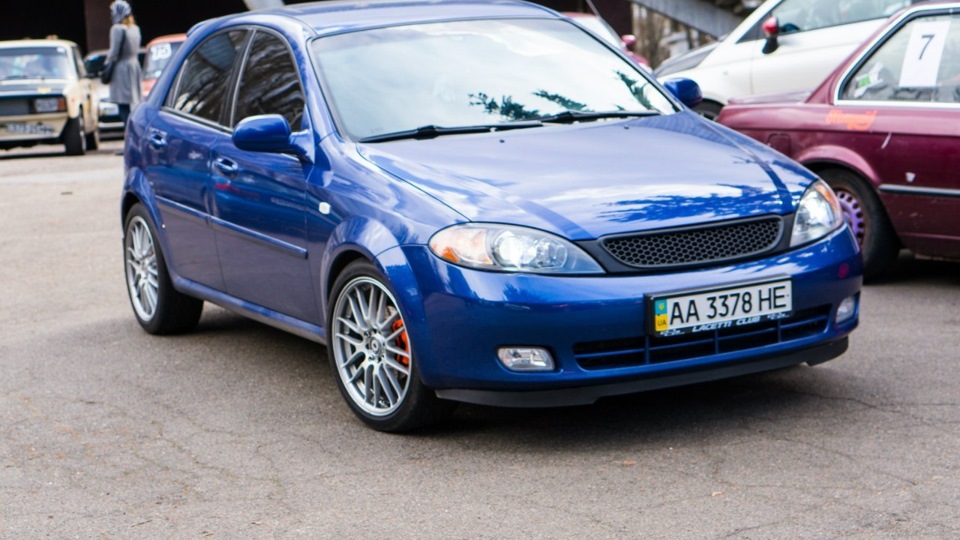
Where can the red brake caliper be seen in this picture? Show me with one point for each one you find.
(402, 341)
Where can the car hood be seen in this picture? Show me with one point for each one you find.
(587, 180)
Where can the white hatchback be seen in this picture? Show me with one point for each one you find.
(783, 46)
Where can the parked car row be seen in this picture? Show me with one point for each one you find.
(46, 96)
(868, 101)
(49, 94)
(884, 131)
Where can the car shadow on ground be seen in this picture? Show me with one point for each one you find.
(668, 414)
(916, 270)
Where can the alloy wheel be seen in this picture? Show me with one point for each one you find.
(141, 268)
(371, 348)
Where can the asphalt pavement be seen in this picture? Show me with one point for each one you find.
(237, 430)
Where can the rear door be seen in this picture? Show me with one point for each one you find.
(178, 155)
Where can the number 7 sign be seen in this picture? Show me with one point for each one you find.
(921, 61)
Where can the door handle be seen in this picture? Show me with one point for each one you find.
(226, 166)
(158, 140)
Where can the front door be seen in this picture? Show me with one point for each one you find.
(260, 198)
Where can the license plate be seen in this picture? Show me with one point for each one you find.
(701, 311)
(21, 128)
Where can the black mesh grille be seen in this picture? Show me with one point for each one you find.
(14, 107)
(647, 350)
(693, 246)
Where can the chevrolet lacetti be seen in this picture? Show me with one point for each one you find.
(472, 201)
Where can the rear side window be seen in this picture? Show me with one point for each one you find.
(270, 83)
(920, 62)
(202, 84)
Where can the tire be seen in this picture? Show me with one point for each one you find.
(74, 137)
(158, 307)
(371, 355)
(709, 109)
(866, 217)
(93, 139)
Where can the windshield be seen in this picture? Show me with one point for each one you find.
(468, 73)
(35, 63)
(158, 57)
(601, 29)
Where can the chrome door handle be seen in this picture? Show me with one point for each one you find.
(226, 166)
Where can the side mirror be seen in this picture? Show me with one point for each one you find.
(94, 66)
(771, 28)
(629, 40)
(686, 90)
(268, 133)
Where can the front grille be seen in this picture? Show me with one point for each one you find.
(14, 106)
(688, 246)
(658, 350)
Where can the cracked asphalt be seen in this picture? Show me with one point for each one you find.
(238, 431)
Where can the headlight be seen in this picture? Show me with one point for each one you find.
(49, 105)
(817, 215)
(508, 248)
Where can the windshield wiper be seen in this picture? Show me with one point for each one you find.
(569, 117)
(432, 131)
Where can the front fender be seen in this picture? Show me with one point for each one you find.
(357, 237)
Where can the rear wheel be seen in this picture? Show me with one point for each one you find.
(74, 137)
(371, 355)
(93, 139)
(866, 217)
(158, 307)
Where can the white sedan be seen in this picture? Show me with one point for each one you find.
(783, 46)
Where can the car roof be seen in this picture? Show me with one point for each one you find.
(338, 16)
(169, 38)
(37, 43)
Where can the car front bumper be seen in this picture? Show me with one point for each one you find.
(33, 127)
(595, 327)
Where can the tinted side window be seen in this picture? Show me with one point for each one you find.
(270, 83)
(920, 62)
(202, 89)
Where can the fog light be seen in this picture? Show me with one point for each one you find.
(847, 309)
(525, 359)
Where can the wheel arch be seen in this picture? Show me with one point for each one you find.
(821, 158)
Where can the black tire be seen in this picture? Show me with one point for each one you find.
(93, 139)
(74, 137)
(369, 353)
(157, 306)
(866, 217)
(709, 109)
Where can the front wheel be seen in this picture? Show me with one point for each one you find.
(158, 307)
(75, 137)
(867, 219)
(371, 355)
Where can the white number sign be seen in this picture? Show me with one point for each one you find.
(921, 62)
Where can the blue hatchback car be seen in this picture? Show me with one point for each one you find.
(472, 201)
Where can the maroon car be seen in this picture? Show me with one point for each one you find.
(884, 131)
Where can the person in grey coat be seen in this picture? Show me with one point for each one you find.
(125, 89)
